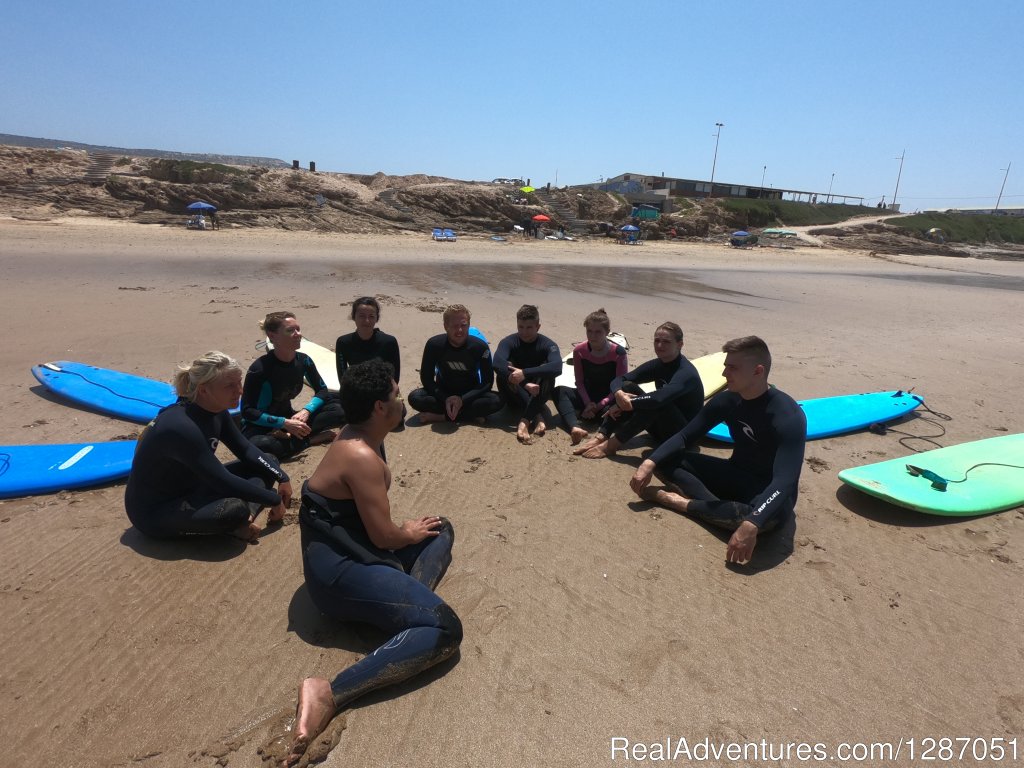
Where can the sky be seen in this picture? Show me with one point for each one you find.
(811, 95)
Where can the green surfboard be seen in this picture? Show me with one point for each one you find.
(973, 478)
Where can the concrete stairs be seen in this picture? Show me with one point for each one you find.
(100, 166)
(563, 213)
(388, 198)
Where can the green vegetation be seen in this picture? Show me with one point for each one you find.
(122, 161)
(787, 213)
(964, 228)
(189, 171)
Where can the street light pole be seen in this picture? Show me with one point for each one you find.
(898, 175)
(829, 198)
(1000, 198)
(764, 170)
(718, 133)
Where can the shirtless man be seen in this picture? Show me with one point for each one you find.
(456, 374)
(754, 490)
(361, 566)
(527, 364)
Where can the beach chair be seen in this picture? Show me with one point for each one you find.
(449, 235)
(437, 234)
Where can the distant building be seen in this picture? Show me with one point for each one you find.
(1012, 210)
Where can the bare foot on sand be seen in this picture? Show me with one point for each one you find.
(276, 515)
(593, 442)
(314, 711)
(663, 498)
(431, 418)
(540, 429)
(577, 434)
(249, 533)
(523, 432)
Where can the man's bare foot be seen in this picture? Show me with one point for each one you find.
(591, 443)
(663, 498)
(599, 451)
(523, 432)
(249, 533)
(540, 429)
(431, 418)
(276, 515)
(312, 714)
(322, 438)
(577, 434)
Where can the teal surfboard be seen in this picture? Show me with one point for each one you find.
(26, 470)
(827, 416)
(959, 481)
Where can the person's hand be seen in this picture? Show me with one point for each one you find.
(515, 376)
(742, 543)
(301, 415)
(532, 388)
(589, 410)
(422, 528)
(642, 477)
(614, 412)
(284, 490)
(453, 407)
(624, 400)
(296, 427)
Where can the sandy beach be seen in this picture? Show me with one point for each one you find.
(589, 615)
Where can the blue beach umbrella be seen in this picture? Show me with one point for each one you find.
(630, 228)
(199, 205)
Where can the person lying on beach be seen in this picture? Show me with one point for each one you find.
(456, 373)
(677, 397)
(178, 486)
(360, 566)
(526, 365)
(755, 489)
(596, 363)
(367, 341)
(268, 418)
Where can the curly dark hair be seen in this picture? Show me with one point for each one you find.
(362, 386)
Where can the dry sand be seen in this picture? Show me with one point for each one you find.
(588, 614)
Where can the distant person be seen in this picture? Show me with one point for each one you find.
(456, 373)
(178, 486)
(359, 565)
(755, 489)
(596, 363)
(269, 419)
(526, 365)
(678, 395)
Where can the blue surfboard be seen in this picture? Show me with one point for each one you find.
(26, 470)
(827, 416)
(474, 331)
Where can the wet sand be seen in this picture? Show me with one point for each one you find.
(589, 614)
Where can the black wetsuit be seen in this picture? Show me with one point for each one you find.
(540, 361)
(351, 350)
(678, 396)
(759, 481)
(270, 385)
(178, 485)
(465, 371)
(351, 579)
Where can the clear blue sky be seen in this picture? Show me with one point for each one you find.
(558, 91)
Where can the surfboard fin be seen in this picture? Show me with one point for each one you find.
(939, 483)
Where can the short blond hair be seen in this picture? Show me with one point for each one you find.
(203, 370)
(455, 309)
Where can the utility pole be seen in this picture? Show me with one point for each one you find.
(829, 198)
(1000, 198)
(718, 134)
(898, 175)
(764, 170)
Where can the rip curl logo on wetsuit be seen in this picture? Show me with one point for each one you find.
(214, 442)
(748, 431)
(767, 501)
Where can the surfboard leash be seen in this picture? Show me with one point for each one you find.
(881, 428)
(53, 367)
(939, 483)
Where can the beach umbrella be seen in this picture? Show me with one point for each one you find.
(541, 217)
(630, 228)
(527, 190)
(741, 233)
(200, 205)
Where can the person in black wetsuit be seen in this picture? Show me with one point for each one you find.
(268, 418)
(526, 365)
(754, 490)
(178, 486)
(677, 397)
(367, 341)
(456, 374)
(360, 566)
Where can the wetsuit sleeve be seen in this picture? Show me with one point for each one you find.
(428, 369)
(340, 363)
(683, 382)
(238, 444)
(189, 449)
(502, 354)
(791, 432)
(671, 451)
(639, 375)
(316, 383)
(485, 373)
(255, 380)
(392, 355)
(577, 367)
(552, 366)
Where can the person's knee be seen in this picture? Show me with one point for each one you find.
(267, 444)
(450, 624)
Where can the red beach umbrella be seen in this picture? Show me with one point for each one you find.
(541, 217)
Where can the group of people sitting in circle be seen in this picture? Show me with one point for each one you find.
(358, 563)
